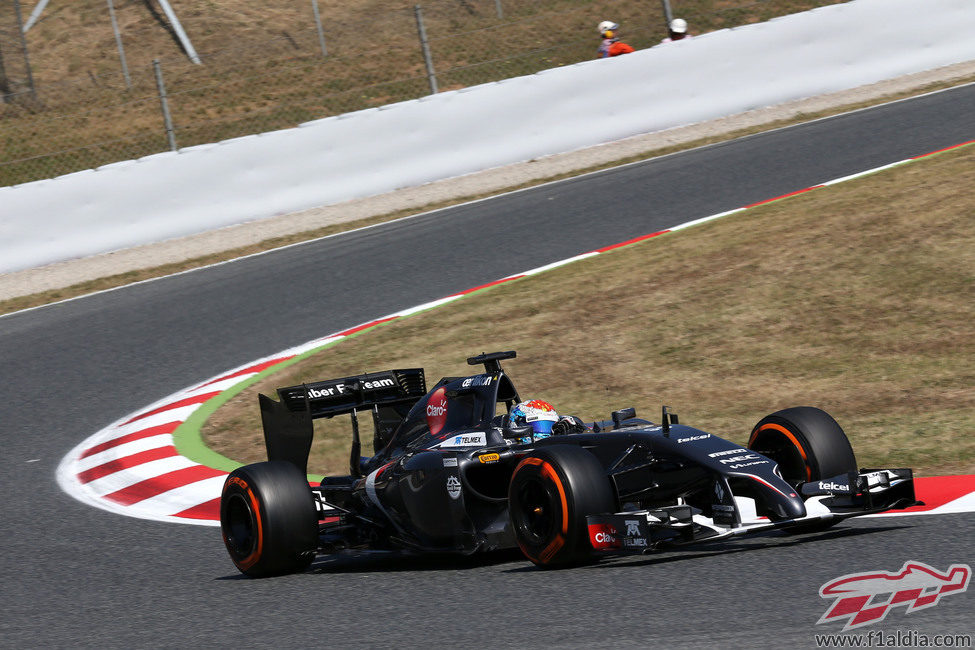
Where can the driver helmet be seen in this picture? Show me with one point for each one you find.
(607, 28)
(678, 25)
(539, 414)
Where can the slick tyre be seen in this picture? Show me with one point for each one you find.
(808, 445)
(268, 519)
(806, 442)
(551, 492)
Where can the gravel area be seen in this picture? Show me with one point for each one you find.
(64, 274)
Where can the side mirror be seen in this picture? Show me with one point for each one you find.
(667, 418)
(621, 415)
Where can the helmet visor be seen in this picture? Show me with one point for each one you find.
(542, 426)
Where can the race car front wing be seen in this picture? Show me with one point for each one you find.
(847, 495)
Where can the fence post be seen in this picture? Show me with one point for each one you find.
(4, 85)
(180, 33)
(118, 43)
(668, 15)
(23, 46)
(164, 102)
(425, 46)
(497, 4)
(35, 15)
(318, 26)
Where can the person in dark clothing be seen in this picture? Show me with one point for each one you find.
(676, 31)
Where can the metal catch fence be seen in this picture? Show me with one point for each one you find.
(52, 124)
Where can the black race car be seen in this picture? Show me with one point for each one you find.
(451, 473)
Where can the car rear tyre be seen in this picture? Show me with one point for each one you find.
(550, 494)
(808, 445)
(268, 519)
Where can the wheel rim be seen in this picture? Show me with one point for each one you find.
(538, 512)
(239, 527)
(791, 464)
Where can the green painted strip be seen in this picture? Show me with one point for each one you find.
(188, 438)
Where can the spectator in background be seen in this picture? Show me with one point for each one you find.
(611, 45)
(676, 31)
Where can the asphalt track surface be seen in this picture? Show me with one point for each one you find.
(73, 574)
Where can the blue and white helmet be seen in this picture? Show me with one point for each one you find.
(539, 414)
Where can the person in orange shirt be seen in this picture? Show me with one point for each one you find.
(611, 45)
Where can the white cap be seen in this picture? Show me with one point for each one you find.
(678, 25)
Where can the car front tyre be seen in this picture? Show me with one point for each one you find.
(808, 445)
(551, 492)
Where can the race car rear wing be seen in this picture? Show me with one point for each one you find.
(324, 399)
(288, 429)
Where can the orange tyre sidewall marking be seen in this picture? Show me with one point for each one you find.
(251, 559)
(548, 472)
(523, 463)
(549, 551)
(788, 434)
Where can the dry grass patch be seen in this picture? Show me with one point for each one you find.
(855, 298)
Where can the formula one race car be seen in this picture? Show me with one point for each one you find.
(452, 472)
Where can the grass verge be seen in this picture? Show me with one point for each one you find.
(856, 298)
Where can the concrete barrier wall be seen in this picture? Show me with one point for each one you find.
(453, 133)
